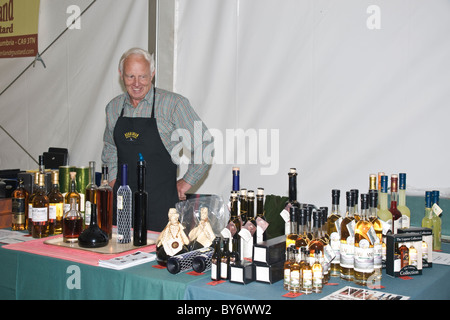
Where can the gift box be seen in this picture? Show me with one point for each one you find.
(403, 254)
(270, 251)
(269, 273)
(243, 272)
(427, 244)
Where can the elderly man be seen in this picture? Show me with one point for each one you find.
(143, 120)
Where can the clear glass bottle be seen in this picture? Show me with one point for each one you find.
(124, 208)
(105, 203)
(19, 207)
(56, 206)
(287, 267)
(383, 211)
(40, 210)
(72, 193)
(307, 275)
(406, 213)
(72, 223)
(317, 273)
(294, 272)
(396, 214)
(379, 242)
(316, 244)
(436, 220)
(365, 237)
(334, 230)
(291, 238)
(347, 241)
(90, 194)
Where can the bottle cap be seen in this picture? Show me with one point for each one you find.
(384, 181)
(260, 192)
(292, 171)
(394, 183)
(251, 194)
(402, 181)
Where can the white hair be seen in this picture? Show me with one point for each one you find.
(149, 57)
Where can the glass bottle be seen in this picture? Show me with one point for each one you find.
(291, 238)
(72, 193)
(302, 239)
(225, 260)
(105, 203)
(56, 206)
(436, 220)
(40, 210)
(413, 256)
(427, 221)
(93, 236)
(356, 214)
(90, 194)
(235, 223)
(292, 192)
(372, 182)
(235, 257)
(406, 213)
(19, 207)
(124, 208)
(317, 273)
(379, 243)
(404, 255)
(140, 201)
(316, 244)
(251, 211)
(347, 241)
(383, 211)
(216, 260)
(287, 267)
(261, 235)
(72, 223)
(334, 231)
(236, 179)
(396, 214)
(30, 203)
(379, 187)
(307, 275)
(243, 206)
(294, 272)
(365, 237)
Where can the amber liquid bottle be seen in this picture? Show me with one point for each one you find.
(347, 241)
(19, 200)
(105, 204)
(56, 205)
(40, 210)
(334, 231)
(90, 195)
(72, 193)
(72, 223)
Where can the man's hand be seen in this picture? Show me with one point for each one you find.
(182, 187)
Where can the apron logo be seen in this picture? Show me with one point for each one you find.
(131, 136)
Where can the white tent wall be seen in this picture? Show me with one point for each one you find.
(351, 87)
(63, 105)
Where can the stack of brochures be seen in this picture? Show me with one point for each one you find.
(126, 261)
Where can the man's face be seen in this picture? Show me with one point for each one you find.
(137, 77)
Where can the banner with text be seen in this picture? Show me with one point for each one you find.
(19, 20)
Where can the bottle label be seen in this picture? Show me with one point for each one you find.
(347, 253)
(307, 279)
(335, 243)
(18, 209)
(55, 210)
(87, 213)
(377, 255)
(40, 214)
(317, 278)
(364, 260)
(119, 202)
(294, 281)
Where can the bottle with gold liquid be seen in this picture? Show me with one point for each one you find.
(302, 239)
(294, 271)
(55, 208)
(406, 213)
(316, 244)
(40, 210)
(379, 243)
(287, 267)
(30, 203)
(334, 231)
(365, 237)
(291, 238)
(317, 273)
(307, 274)
(347, 241)
(396, 214)
(105, 205)
(72, 193)
(19, 203)
(90, 194)
(72, 223)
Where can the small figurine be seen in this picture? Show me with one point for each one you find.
(202, 235)
(172, 240)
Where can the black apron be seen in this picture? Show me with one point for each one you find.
(140, 135)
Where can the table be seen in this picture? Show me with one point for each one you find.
(25, 275)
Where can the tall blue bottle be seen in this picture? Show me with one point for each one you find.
(140, 206)
(124, 208)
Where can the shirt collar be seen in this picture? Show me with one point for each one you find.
(148, 97)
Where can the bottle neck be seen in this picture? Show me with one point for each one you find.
(402, 197)
(394, 199)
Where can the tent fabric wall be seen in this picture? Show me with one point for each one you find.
(63, 105)
(348, 95)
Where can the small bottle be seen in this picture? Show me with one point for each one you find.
(90, 195)
(316, 244)
(294, 272)
(406, 213)
(19, 203)
(225, 260)
(347, 241)
(287, 267)
(317, 273)
(124, 208)
(291, 238)
(140, 202)
(334, 231)
(216, 260)
(261, 235)
(72, 223)
(72, 193)
(427, 221)
(404, 255)
(436, 220)
(236, 179)
(40, 210)
(413, 256)
(302, 239)
(56, 206)
(396, 214)
(105, 203)
(307, 275)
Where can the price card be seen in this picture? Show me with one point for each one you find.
(292, 294)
